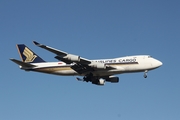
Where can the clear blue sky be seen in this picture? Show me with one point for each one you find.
(92, 29)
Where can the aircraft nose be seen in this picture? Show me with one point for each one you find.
(158, 63)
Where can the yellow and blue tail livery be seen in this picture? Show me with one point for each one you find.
(27, 55)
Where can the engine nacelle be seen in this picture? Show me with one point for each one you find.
(113, 79)
(98, 65)
(73, 58)
(99, 82)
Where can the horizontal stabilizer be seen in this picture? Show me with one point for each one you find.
(23, 64)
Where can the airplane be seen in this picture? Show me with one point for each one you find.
(95, 71)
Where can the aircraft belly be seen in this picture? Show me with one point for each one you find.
(107, 72)
(66, 72)
(57, 71)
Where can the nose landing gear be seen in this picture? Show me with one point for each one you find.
(145, 73)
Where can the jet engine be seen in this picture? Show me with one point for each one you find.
(98, 65)
(113, 79)
(99, 82)
(73, 58)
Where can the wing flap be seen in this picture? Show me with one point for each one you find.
(79, 68)
(85, 61)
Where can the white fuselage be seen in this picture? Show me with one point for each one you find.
(120, 65)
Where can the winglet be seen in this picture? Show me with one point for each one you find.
(40, 45)
(36, 43)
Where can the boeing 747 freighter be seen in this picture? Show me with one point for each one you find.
(94, 71)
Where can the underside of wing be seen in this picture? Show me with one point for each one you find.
(82, 68)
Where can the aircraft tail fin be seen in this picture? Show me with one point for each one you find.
(27, 55)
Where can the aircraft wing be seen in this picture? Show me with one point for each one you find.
(53, 50)
(81, 65)
(64, 56)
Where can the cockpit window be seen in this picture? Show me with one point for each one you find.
(149, 56)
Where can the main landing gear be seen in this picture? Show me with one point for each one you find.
(87, 78)
(145, 73)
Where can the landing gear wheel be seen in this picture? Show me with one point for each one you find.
(88, 77)
(145, 74)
